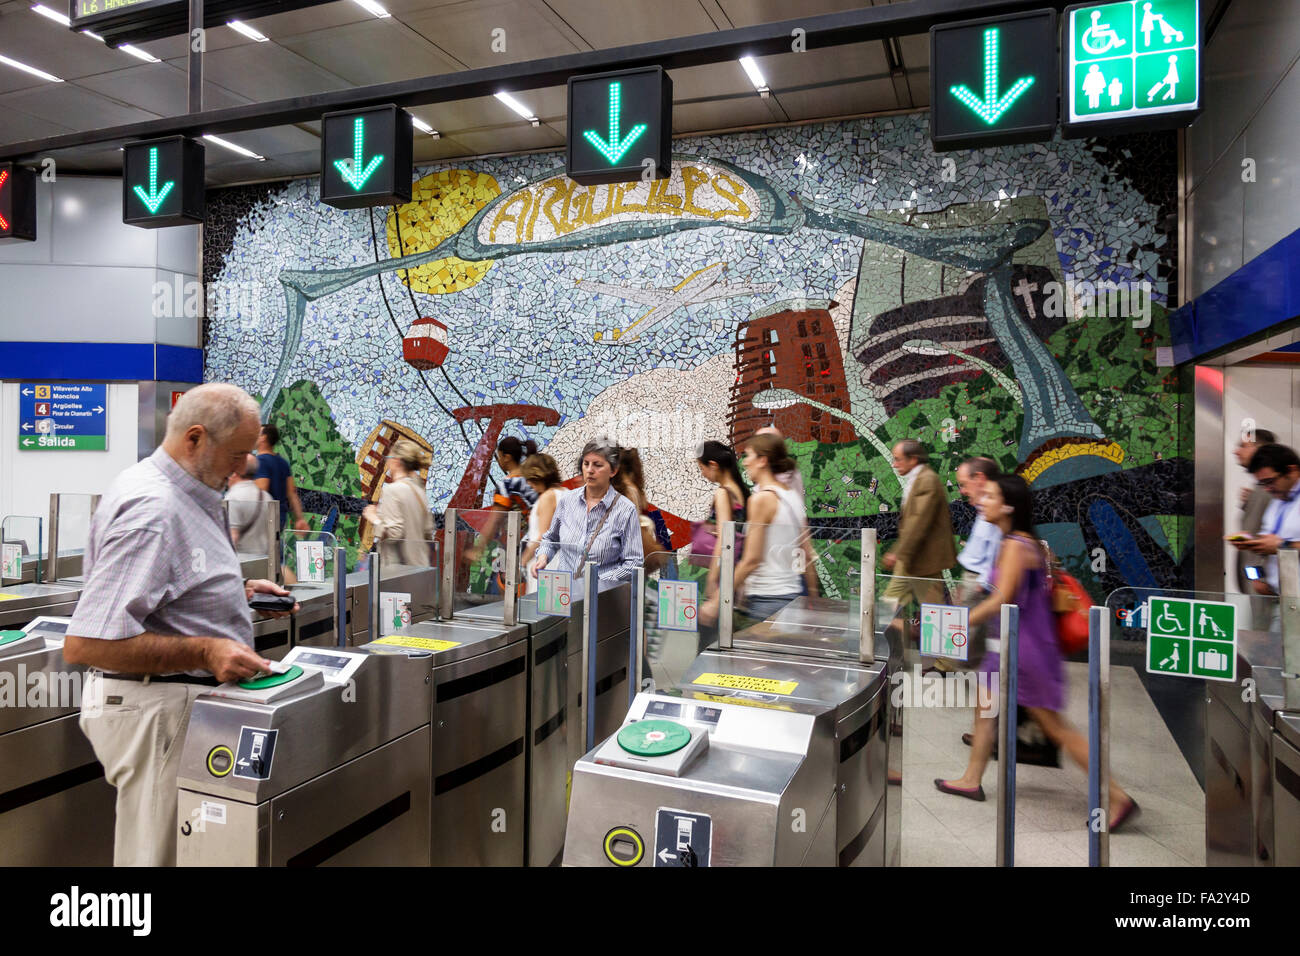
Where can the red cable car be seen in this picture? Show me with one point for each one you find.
(425, 344)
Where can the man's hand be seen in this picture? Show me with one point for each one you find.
(1264, 544)
(301, 525)
(263, 586)
(1261, 587)
(230, 660)
(889, 560)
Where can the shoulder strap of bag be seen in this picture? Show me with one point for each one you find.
(582, 561)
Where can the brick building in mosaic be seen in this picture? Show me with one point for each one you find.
(794, 347)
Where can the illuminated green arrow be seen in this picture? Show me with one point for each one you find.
(614, 147)
(990, 109)
(155, 196)
(350, 169)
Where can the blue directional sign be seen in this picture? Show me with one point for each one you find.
(62, 416)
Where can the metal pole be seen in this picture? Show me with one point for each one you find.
(1007, 735)
(448, 563)
(1288, 573)
(196, 58)
(40, 541)
(726, 584)
(53, 563)
(590, 634)
(636, 634)
(1099, 735)
(509, 614)
(375, 608)
(271, 511)
(341, 595)
(867, 603)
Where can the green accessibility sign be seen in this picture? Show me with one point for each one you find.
(1132, 59)
(1192, 638)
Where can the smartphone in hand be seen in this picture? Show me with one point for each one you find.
(272, 602)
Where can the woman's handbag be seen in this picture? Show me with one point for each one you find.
(1070, 603)
(704, 541)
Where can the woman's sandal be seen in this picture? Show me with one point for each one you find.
(1128, 813)
(974, 793)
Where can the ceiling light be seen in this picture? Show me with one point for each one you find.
(51, 14)
(138, 53)
(30, 69)
(233, 148)
(93, 36)
(247, 31)
(373, 8)
(755, 74)
(518, 107)
(424, 127)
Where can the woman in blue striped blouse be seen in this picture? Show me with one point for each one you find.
(593, 524)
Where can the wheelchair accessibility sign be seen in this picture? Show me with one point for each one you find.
(1192, 638)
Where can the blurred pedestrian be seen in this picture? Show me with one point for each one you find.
(247, 512)
(1277, 470)
(543, 476)
(402, 521)
(1254, 501)
(276, 477)
(924, 549)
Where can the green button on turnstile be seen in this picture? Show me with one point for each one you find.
(8, 637)
(272, 680)
(653, 738)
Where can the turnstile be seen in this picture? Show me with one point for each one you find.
(22, 603)
(709, 773)
(479, 726)
(326, 765)
(55, 807)
(551, 722)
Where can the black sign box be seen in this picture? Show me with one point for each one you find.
(162, 182)
(365, 157)
(617, 121)
(977, 94)
(17, 203)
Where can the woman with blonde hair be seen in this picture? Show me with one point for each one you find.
(403, 523)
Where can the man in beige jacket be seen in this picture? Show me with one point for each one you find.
(925, 540)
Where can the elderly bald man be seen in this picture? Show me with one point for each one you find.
(164, 613)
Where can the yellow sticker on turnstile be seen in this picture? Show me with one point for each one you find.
(419, 643)
(762, 685)
(742, 701)
(9, 597)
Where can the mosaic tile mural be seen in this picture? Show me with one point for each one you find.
(839, 280)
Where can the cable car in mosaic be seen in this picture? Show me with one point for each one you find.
(425, 344)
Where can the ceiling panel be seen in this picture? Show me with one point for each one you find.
(487, 112)
(464, 30)
(326, 15)
(41, 43)
(713, 79)
(511, 139)
(74, 106)
(849, 62)
(918, 81)
(720, 114)
(871, 96)
(916, 51)
(161, 88)
(265, 142)
(429, 150)
(746, 13)
(604, 24)
(350, 52)
(266, 71)
(16, 126)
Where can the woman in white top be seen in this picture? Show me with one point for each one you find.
(543, 476)
(778, 548)
(402, 522)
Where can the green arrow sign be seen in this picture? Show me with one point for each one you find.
(991, 108)
(353, 173)
(155, 196)
(613, 148)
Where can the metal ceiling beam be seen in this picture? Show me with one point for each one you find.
(820, 32)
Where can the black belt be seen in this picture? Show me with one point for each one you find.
(170, 679)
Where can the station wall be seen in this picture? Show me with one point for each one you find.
(839, 279)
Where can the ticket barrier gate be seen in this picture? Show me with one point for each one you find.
(792, 714)
(326, 764)
(55, 584)
(55, 807)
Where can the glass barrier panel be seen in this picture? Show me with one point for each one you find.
(21, 549)
(480, 560)
(410, 582)
(74, 512)
(670, 613)
(253, 525)
(1196, 693)
(309, 573)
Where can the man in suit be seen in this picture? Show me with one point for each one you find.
(924, 549)
(1254, 500)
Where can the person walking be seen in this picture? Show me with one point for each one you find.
(164, 614)
(276, 477)
(543, 476)
(1021, 577)
(1254, 502)
(924, 549)
(246, 506)
(1277, 470)
(402, 521)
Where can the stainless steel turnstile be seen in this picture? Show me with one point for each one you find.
(55, 807)
(479, 729)
(330, 768)
(22, 603)
(551, 721)
(792, 778)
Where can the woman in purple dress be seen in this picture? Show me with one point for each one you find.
(1020, 577)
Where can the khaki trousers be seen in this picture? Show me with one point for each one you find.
(137, 731)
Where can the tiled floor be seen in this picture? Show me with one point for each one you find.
(1051, 803)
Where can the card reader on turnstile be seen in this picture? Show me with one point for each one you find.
(655, 745)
